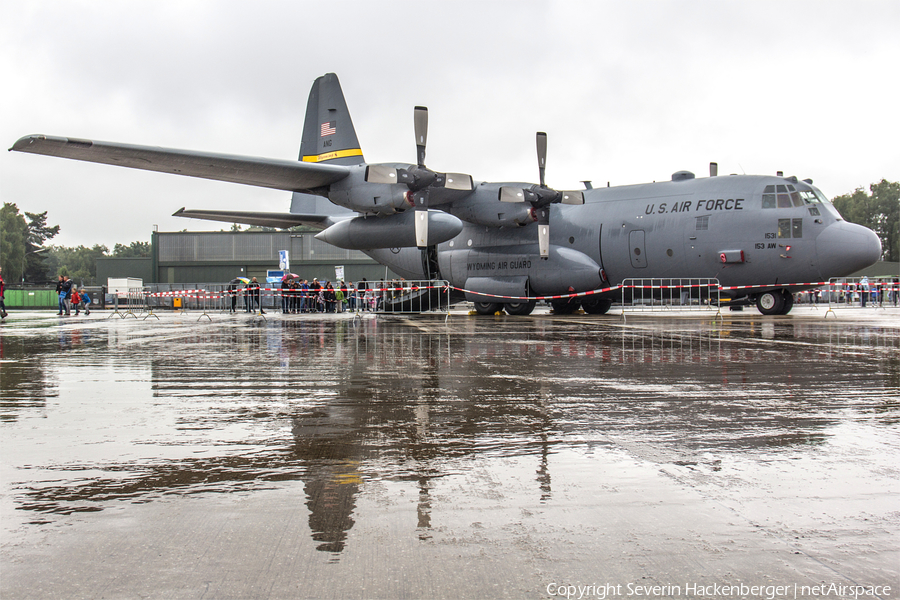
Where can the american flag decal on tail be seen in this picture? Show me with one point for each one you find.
(328, 128)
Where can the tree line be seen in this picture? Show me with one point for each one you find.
(879, 210)
(24, 257)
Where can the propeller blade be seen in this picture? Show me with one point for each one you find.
(420, 120)
(420, 199)
(541, 154)
(543, 223)
(381, 174)
(572, 198)
(544, 240)
(512, 194)
(422, 228)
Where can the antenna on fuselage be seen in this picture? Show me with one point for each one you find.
(713, 169)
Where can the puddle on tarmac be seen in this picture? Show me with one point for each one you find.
(103, 414)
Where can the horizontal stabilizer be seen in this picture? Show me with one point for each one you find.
(260, 219)
(261, 172)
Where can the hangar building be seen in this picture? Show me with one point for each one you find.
(219, 256)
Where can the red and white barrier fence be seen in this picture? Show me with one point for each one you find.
(846, 291)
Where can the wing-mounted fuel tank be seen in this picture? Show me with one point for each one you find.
(393, 231)
(483, 207)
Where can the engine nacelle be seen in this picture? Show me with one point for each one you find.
(393, 231)
(355, 193)
(483, 207)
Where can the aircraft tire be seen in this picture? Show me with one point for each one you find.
(564, 307)
(596, 306)
(520, 308)
(770, 303)
(487, 308)
(788, 298)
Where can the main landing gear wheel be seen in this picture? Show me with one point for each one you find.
(596, 306)
(487, 308)
(771, 303)
(520, 308)
(564, 307)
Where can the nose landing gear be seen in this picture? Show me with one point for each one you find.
(775, 302)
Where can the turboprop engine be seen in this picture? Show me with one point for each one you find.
(484, 208)
(393, 231)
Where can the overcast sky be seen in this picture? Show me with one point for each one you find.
(628, 92)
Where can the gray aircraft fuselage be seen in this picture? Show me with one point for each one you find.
(760, 237)
(713, 227)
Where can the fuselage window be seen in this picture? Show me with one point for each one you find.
(784, 228)
(797, 226)
(814, 211)
(703, 223)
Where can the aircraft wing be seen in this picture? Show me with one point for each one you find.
(262, 219)
(293, 176)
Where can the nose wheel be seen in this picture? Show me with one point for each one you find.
(775, 302)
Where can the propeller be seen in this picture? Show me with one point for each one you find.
(419, 179)
(541, 197)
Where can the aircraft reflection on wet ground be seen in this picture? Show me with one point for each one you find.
(104, 415)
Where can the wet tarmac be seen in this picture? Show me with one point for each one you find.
(418, 457)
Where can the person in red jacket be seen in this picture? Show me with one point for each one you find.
(2, 299)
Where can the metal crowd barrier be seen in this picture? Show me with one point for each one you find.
(403, 296)
(652, 294)
(860, 292)
(381, 297)
(132, 302)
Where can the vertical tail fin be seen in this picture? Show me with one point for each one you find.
(328, 134)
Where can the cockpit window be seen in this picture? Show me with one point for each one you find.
(787, 196)
(809, 197)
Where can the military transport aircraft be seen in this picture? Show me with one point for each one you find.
(762, 237)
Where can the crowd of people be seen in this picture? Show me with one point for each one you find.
(862, 293)
(302, 296)
(71, 296)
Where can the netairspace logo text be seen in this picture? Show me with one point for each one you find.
(716, 590)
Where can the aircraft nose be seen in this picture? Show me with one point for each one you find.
(844, 248)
